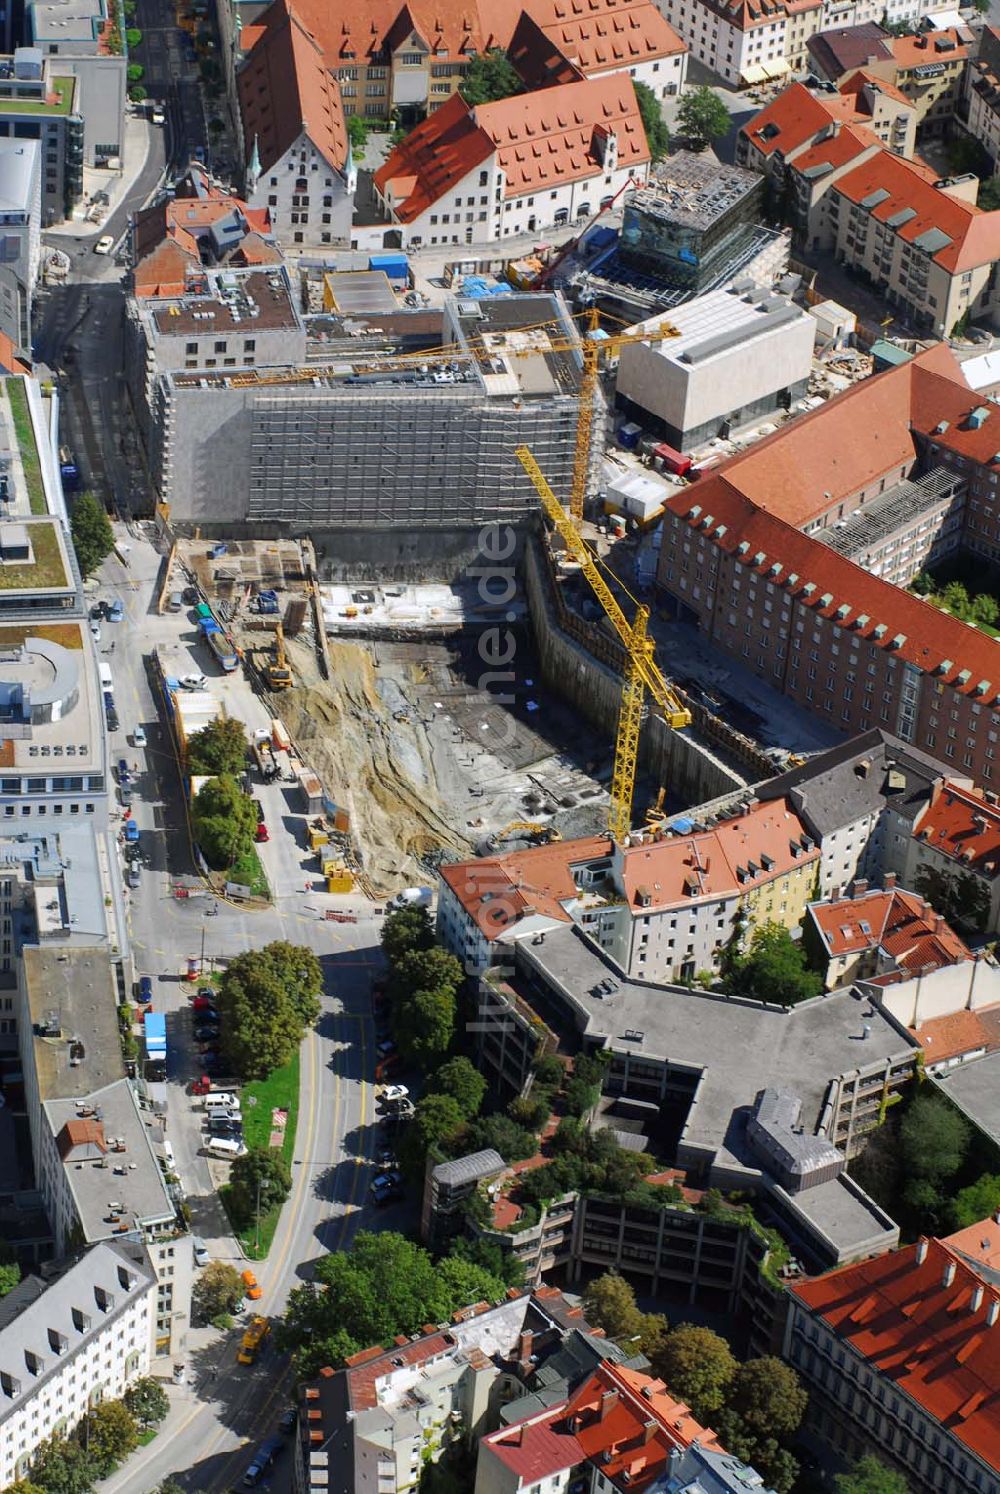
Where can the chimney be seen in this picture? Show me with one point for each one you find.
(859, 886)
(889, 881)
(648, 1431)
(992, 1313)
(921, 1252)
(524, 1344)
(948, 1274)
(976, 1300)
(609, 1400)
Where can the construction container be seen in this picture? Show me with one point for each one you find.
(311, 791)
(318, 837)
(396, 266)
(628, 435)
(280, 740)
(340, 881)
(295, 616)
(667, 459)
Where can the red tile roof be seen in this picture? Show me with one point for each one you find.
(498, 890)
(285, 91)
(917, 1323)
(542, 139)
(598, 35)
(980, 1242)
(951, 45)
(959, 1033)
(796, 117)
(958, 823)
(603, 1422)
(898, 922)
(975, 235)
(838, 448)
(848, 144)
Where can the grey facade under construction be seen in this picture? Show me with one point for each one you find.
(394, 420)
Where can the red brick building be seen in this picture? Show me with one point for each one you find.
(752, 555)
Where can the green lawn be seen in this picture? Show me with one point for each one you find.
(280, 1090)
(61, 104)
(26, 444)
(248, 872)
(146, 1437)
(46, 569)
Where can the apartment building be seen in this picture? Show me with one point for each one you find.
(479, 173)
(899, 1357)
(660, 910)
(620, 1427)
(174, 241)
(927, 68)
(956, 839)
(701, 1059)
(97, 1156)
(390, 1411)
(20, 239)
(554, 42)
(82, 37)
(874, 934)
(979, 111)
(744, 558)
(69, 1341)
(41, 100)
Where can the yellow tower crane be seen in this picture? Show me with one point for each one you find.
(641, 672)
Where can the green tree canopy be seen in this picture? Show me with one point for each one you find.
(503, 1264)
(357, 133)
(933, 1138)
(702, 117)
(490, 76)
(10, 1271)
(423, 970)
(93, 537)
(871, 1476)
(657, 134)
(109, 1434)
(24, 1486)
(775, 969)
(460, 1079)
(147, 1401)
(293, 965)
(61, 1466)
(217, 1289)
(408, 928)
(989, 188)
(386, 1285)
(260, 1027)
(224, 820)
(219, 748)
(513, 1142)
(609, 1303)
(436, 1119)
(425, 1026)
(767, 1397)
(963, 899)
(261, 1174)
(978, 1201)
(698, 1366)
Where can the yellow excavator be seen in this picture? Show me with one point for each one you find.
(276, 670)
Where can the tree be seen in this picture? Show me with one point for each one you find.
(147, 1401)
(964, 900)
(978, 1201)
(698, 1367)
(550, 1071)
(406, 929)
(93, 537)
(133, 36)
(984, 610)
(609, 1303)
(135, 72)
(224, 820)
(989, 189)
(657, 134)
(294, 966)
(423, 970)
(702, 117)
(513, 1142)
(425, 1026)
(933, 1138)
(109, 1434)
(137, 93)
(436, 1119)
(23, 1486)
(775, 969)
(503, 1264)
(386, 1285)
(219, 748)
(460, 1079)
(10, 1271)
(61, 1466)
(217, 1289)
(170, 1486)
(490, 76)
(871, 1476)
(357, 133)
(767, 1397)
(260, 1027)
(956, 598)
(259, 1181)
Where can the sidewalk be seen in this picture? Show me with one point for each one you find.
(117, 184)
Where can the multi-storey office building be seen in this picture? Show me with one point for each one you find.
(41, 101)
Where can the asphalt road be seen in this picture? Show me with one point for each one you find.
(217, 1420)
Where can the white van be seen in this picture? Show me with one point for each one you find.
(222, 1102)
(224, 1146)
(107, 681)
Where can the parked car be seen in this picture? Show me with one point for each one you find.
(97, 611)
(109, 700)
(122, 770)
(105, 244)
(112, 720)
(95, 630)
(251, 1286)
(206, 1032)
(385, 1158)
(133, 876)
(201, 1256)
(393, 1093)
(260, 811)
(145, 989)
(385, 1049)
(224, 1125)
(288, 1420)
(222, 1100)
(115, 611)
(386, 1187)
(125, 793)
(192, 682)
(207, 1007)
(131, 831)
(263, 1458)
(139, 737)
(261, 833)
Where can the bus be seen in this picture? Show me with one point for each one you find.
(253, 1340)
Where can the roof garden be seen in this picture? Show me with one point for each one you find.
(46, 569)
(17, 398)
(58, 100)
